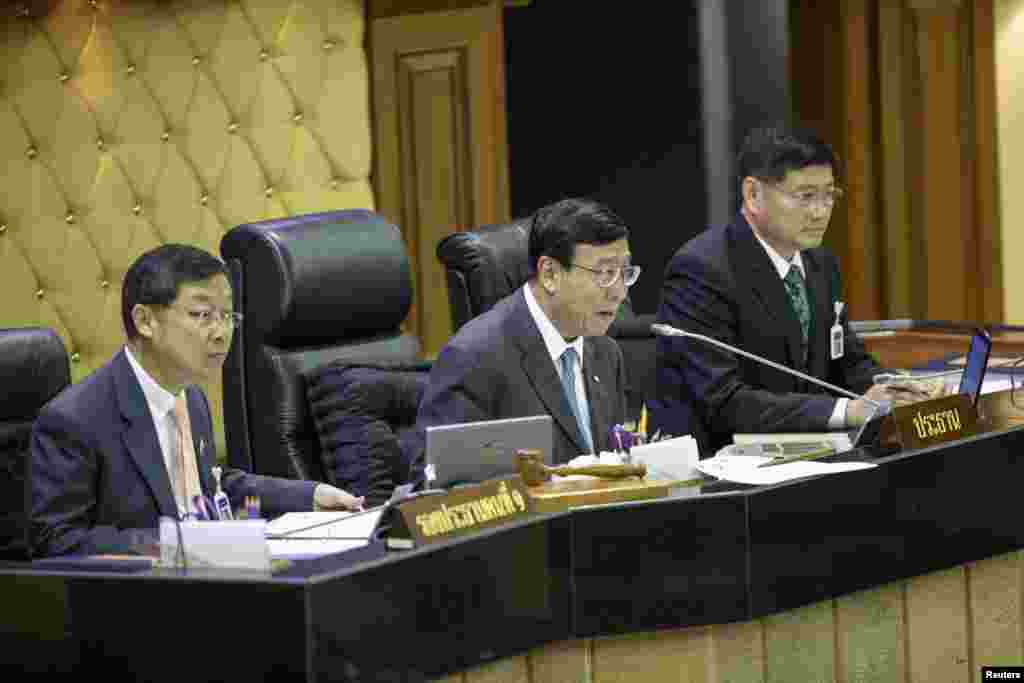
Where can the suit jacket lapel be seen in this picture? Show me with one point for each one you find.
(598, 399)
(140, 437)
(201, 440)
(767, 287)
(822, 315)
(540, 370)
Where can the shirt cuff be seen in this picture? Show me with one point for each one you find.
(838, 419)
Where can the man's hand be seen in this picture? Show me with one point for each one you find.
(895, 393)
(327, 497)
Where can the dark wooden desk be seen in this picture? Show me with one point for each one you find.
(913, 348)
(767, 583)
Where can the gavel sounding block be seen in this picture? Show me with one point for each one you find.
(554, 493)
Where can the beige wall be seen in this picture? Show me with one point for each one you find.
(125, 125)
(1009, 20)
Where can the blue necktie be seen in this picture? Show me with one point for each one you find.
(579, 408)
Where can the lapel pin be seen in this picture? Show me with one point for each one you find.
(597, 379)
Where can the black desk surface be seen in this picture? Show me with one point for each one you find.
(702, 557)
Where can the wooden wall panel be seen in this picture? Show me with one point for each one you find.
(439, 137)
(995, 612)
(738, 652)
(906, 94)
(899, 140)
(988, 255)
(658, 657)
(945, 190)
(856, 147)
(557, 662)
(800, 644)
(942, 626)
(870, 635)
(938, 643)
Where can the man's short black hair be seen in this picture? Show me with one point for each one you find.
(770, 152)
(556, 229)
(156, 276)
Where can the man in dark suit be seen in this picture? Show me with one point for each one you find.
(134, 440)
(522, 357)
(764, 283)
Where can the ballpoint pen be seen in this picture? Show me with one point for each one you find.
(809, 455)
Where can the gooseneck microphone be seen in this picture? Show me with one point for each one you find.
(669, 331)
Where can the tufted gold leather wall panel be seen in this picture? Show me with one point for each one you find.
(125, 124)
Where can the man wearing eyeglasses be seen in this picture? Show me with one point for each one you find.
(133, 441)
(764, 283)
(543, 348)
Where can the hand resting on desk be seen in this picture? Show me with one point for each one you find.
(327, 497)
(894, 393)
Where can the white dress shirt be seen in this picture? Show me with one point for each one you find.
(556, 344)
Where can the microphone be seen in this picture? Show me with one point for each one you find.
(669, 331)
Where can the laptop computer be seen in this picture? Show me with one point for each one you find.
(973, 376)
(475, 451)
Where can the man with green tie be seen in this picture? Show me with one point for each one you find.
(765, 284)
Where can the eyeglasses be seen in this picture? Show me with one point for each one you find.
(205, 318)
(807, 199)
(606, 277)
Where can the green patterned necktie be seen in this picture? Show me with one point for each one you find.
(797, 291)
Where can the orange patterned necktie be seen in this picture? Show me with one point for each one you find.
(186, 471)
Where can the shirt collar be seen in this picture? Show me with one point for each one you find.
(781, 264)
(160, 401)
(553, 340)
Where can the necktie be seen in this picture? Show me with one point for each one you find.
(797, 291)
(567, 364)
(185, 478)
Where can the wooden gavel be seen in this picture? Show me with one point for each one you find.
(534, 472)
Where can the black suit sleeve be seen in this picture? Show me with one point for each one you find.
(700, 297)
(64, 495)
(461, 389)
(857, 368)
(277, 495)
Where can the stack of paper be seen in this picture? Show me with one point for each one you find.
(839, 440)
(313, 534)
(752, 469)
(667, 460)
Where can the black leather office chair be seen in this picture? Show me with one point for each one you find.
(327, 289)
(33, 369)
(486, 265)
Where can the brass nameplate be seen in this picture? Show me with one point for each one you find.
(462, 510)
(936, 421)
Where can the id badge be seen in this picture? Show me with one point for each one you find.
(835, 335)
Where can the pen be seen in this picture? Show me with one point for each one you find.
(810, 455)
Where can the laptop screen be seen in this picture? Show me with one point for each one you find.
(475, 451)
(973, 376)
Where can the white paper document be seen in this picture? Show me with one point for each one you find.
(669, 460)
(333, 525)
(236, 544)
(839, 440)
(305, 548)
(747, 469)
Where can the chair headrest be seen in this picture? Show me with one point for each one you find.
(33, 369)
(493, 260)
(320, 278)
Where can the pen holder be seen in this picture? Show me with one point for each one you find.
(534, 472)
